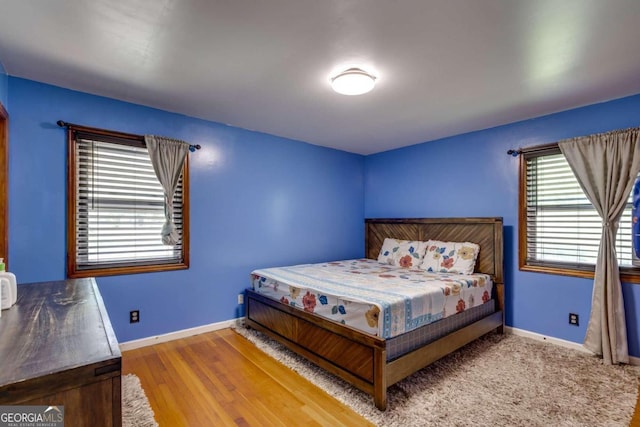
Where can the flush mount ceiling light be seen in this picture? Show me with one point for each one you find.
(353, 81)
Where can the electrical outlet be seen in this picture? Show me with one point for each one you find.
(574, 319)
(134, 316)
(240, 298)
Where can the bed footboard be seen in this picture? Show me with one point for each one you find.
(358, 358)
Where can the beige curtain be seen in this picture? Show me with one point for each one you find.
(606, 166)
(167, 157)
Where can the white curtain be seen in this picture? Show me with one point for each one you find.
(606, 166)
(167, 157)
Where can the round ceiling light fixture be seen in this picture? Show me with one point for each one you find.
(353, 81)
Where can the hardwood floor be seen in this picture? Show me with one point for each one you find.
(635, 421)
(220, 378)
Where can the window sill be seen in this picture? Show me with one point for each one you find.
(627, 275)
(114, 271)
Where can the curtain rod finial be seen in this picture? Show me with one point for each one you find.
(61, 123)
(514, 153)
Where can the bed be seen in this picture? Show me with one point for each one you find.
(374, 360)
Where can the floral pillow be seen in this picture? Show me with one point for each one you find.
(402, 253)
(450, 257)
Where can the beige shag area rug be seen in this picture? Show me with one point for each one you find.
(136, 410)
(498, 380)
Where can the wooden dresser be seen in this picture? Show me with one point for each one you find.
(57, 347)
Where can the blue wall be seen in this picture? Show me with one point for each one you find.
(471, 175)
(4, 87)
(256, 200)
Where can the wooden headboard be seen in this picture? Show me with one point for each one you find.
(486, 232)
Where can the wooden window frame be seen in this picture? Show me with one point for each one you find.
(129, 139)
(627, 274)
(4, 185)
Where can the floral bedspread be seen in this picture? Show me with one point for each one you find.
(378, 299)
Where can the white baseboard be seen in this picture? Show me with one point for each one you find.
(557, 341)
(144, 342)
(539, 337)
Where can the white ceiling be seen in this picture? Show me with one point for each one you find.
(444, 67)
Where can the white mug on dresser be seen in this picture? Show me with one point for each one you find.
(12, 286)
(6, 297)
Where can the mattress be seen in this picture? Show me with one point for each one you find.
(378, 299)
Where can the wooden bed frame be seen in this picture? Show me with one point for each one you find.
(361, 359)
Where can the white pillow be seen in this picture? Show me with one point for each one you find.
(450, 257)
(402, 253)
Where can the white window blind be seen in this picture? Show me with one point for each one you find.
(562, 226)
(119, 208)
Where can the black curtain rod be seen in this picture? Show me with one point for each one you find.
(63, 124)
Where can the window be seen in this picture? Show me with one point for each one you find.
(559, 228)
(115, 207)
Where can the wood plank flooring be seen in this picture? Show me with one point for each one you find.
(635, 421)
(221, 379)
